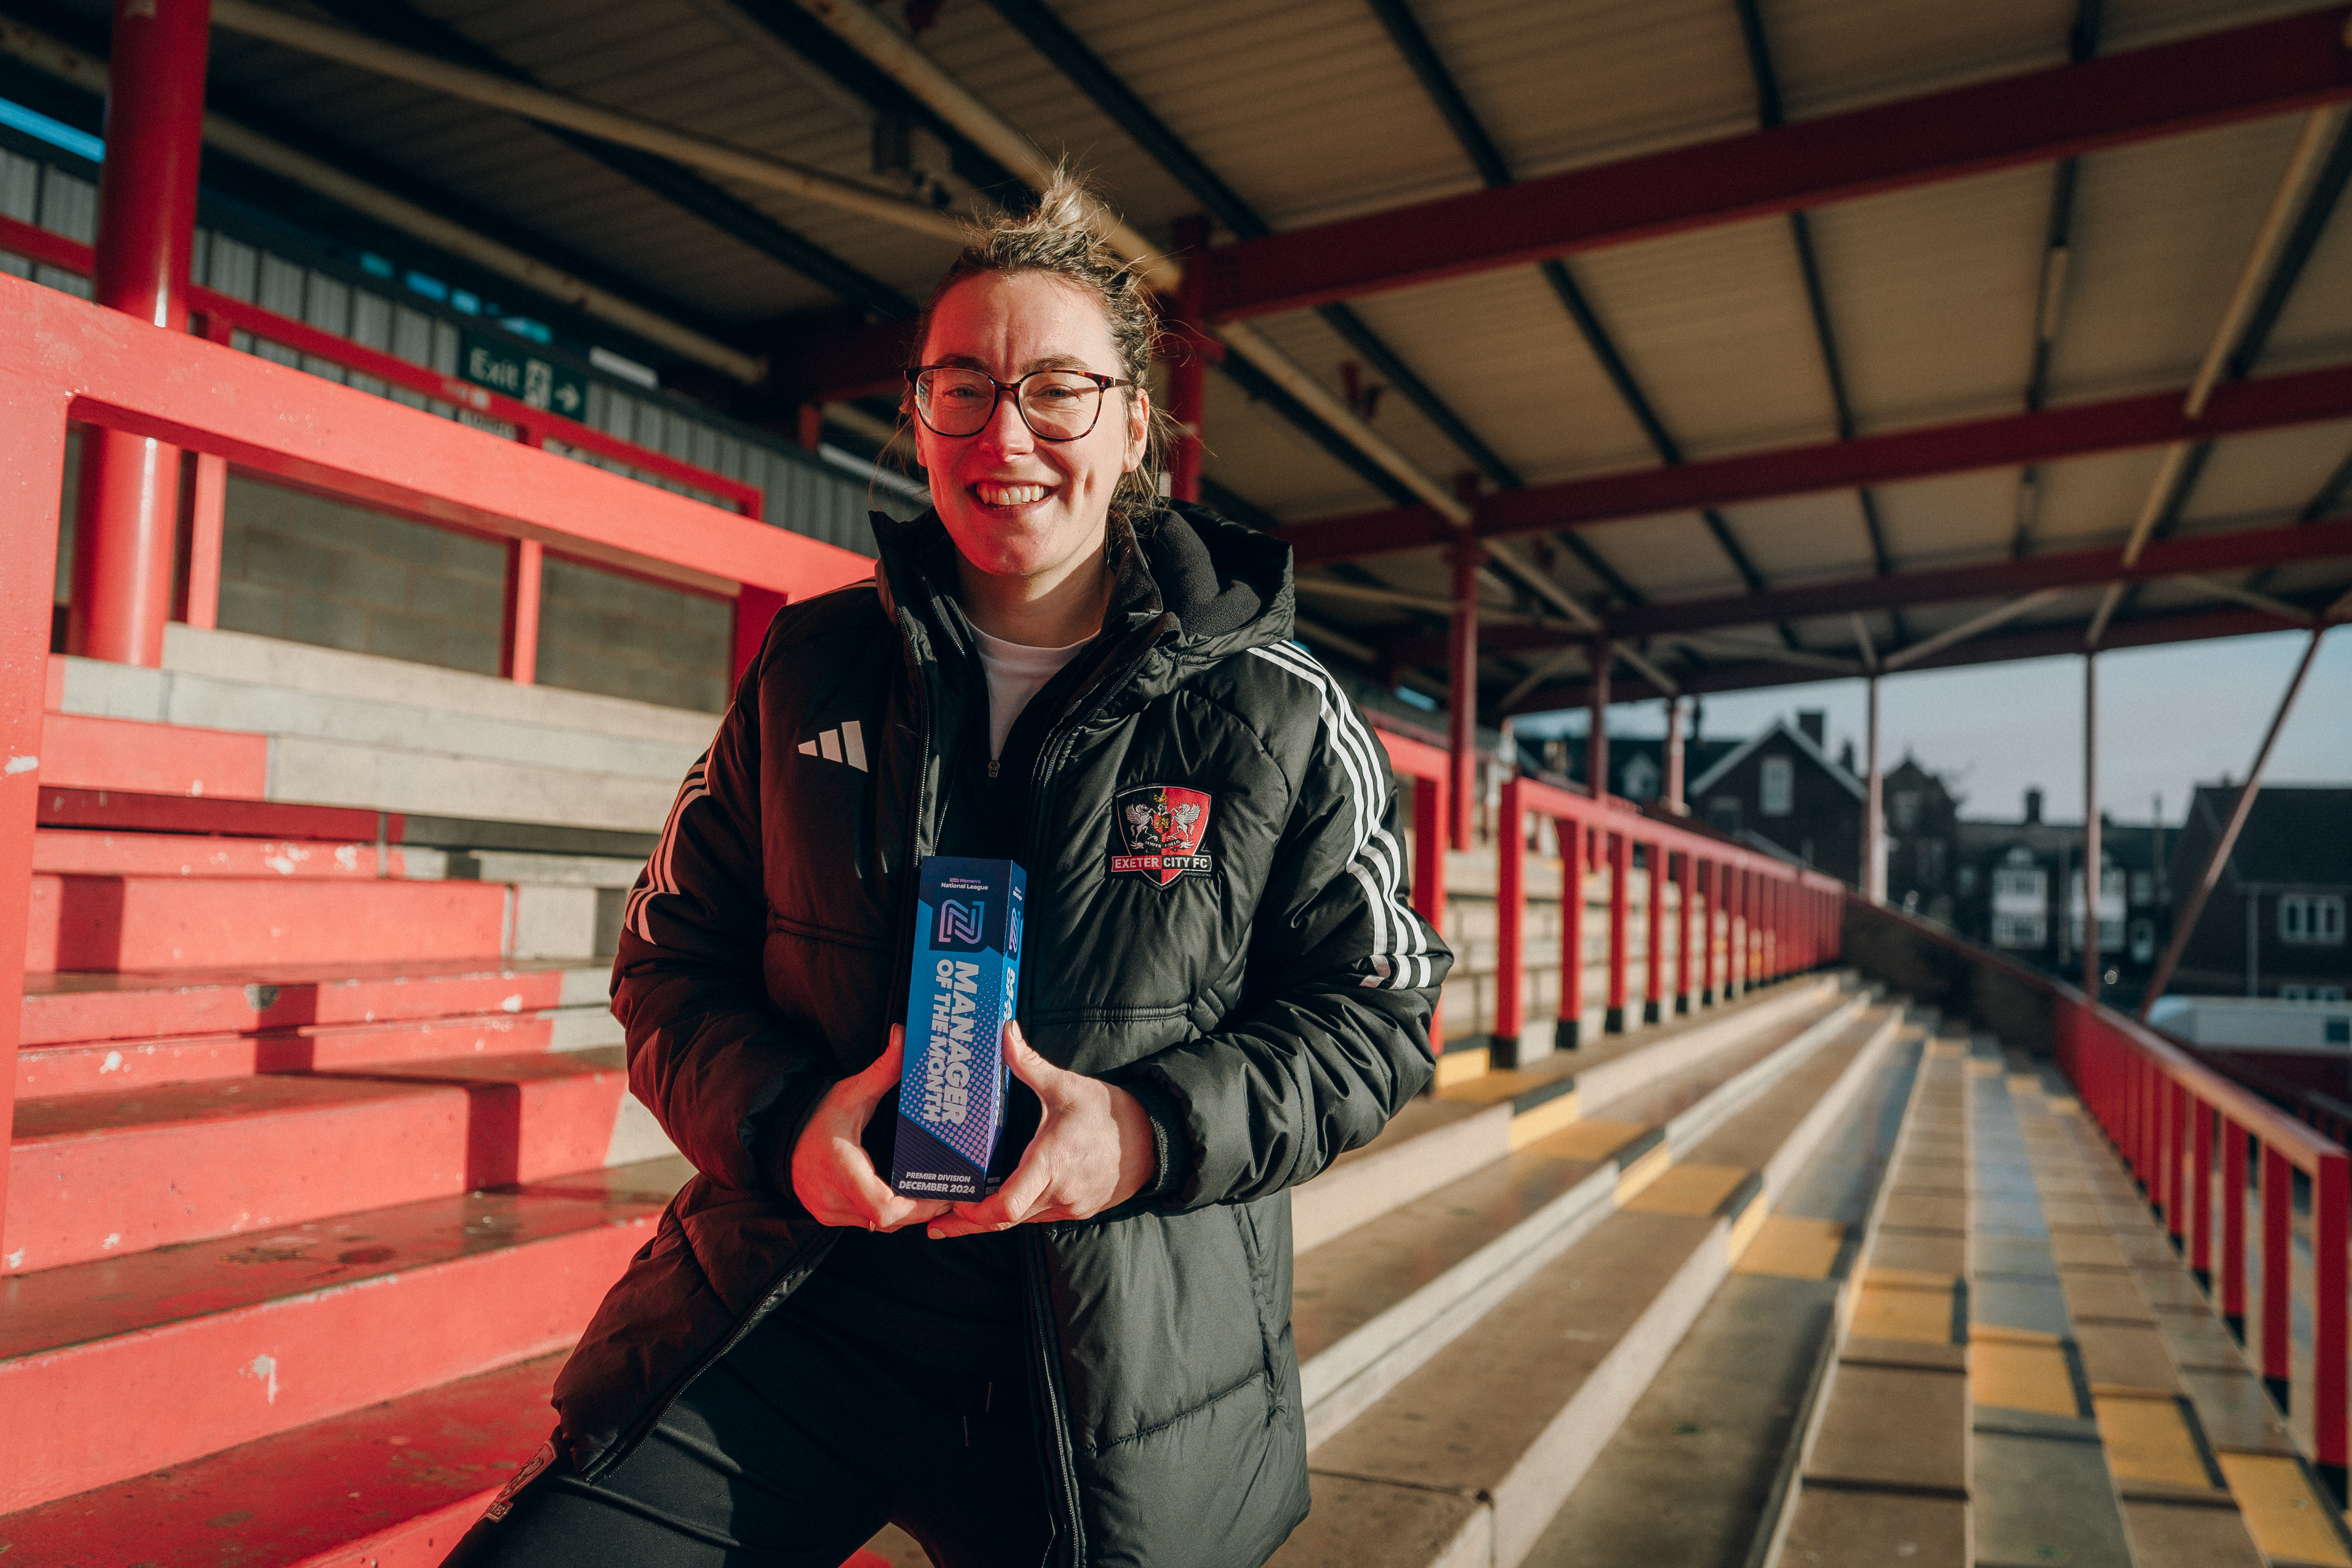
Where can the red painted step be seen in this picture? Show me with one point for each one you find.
(393, 1485)
(131, 810)
(79, 852)
(69, 1008)
(99, 1174)
(81, 751)
(172, 922)
(104, 1067)
(258, 1333)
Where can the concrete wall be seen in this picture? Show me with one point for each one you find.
(320, 572)
(600, 631)
(1941, 970)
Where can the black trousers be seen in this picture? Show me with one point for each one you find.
(791, 1453)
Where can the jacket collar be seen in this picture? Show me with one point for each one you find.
(1207, 587)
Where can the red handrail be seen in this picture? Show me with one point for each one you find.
(537, 425)
(2173, 1119)
(62, 360)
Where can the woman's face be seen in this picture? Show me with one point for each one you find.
(1017, 506)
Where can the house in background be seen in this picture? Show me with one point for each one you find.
(1783, 793)
(1923, 830)
(2019, 885)
(2274, 925)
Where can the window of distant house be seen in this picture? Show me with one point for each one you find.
(2143, 941)
(2311, 917)
(1906, 810)
(1638, 779)
(1779, 787)
(2143, 888)
(1931, 862)
(2020, 897)
(1722, 814)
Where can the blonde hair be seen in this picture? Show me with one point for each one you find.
(1058, 237)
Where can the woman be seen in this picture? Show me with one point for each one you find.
(1094, 1364)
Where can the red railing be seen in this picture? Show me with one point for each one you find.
(216, 316)
(62, 360)
(2173, 1119)
(2193, 1140)
(1764, 918)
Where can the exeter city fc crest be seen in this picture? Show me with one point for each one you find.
(1162, 827)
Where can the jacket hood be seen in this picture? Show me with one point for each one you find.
(1212, 586)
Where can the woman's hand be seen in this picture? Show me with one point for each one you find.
(1092, 1152)
(831, 1174)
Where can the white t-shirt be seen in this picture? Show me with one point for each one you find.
(1016, 672)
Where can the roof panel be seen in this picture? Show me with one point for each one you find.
(1932, 292)
(1716, 329)
(2162, 232)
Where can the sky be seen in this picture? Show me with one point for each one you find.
(2169, 718)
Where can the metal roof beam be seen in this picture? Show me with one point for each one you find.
(1049, 35)
(2145, 631)
(403, 22)
(2074, 431)
(2203, 555)
(2273, 68)
(1405, 32)
(1800, 234)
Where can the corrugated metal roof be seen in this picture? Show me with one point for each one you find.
(1309, 111)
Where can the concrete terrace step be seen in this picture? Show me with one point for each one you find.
(1718, 1430)
(1466, 1459)
(348, 729)
(171, 922)
(96, 1174)
(1434, 1142)
(258, 1333)
(1376, 1303)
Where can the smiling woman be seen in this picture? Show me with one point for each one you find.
(1222, 989)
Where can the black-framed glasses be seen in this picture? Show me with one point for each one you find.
(1056, 404)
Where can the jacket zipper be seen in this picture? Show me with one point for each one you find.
(814, 1253)
(1044, 1335)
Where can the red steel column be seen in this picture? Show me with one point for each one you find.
(1462, 691)
(1510, 925)
(518, 648)
(1621, 877)
(1653, 987)
(2278, 1243)
(2331, 1235)
(35, 435)
(123, 543)
(1188, 372)
(1713, 975)
(1429, 875)
(1683, 939)
(1674, 757)
(1596, 742)
(2201, 1193)
(2234, 1153)
(2092, 961)
(1571, 1024)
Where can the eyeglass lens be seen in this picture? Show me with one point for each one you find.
(1060, 405)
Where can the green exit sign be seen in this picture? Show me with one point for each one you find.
(503, 367)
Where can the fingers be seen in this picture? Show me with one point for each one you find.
(1023, 1197)
(1028, 1066)
(881, 1075)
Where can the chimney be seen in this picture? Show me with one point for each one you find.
(2032, 806)
(1814, 723)
(1845, 756)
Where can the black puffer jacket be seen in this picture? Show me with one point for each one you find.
(1273, 1005)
